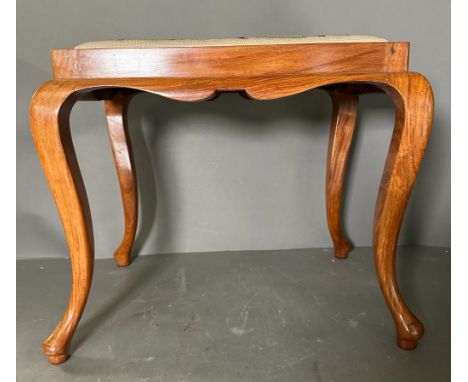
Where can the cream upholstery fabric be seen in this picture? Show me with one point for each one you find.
(135, 44)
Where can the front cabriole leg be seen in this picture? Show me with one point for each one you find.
(414, 104)
(49, 118)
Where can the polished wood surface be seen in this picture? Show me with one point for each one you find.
(49, 115)
(174, 75)
(226, 61)
(414, 104)
(116, 115)
(341, 135)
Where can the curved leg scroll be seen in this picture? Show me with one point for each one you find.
(413, 99)
(341, 135)
(49, 117)
(116, 110)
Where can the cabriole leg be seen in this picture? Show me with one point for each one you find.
(49, 117)
(341, 136)
(116, 115)
(413, 99)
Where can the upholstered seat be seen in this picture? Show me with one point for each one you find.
(174, 43)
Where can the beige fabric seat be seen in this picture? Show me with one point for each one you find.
(135, 44)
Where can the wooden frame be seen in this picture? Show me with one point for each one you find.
(227, 61)
(344, 70)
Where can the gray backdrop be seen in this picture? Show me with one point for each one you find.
(231, 174)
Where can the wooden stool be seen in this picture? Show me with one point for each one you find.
(259, 69)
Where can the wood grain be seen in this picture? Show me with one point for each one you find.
(414, 104)
(226, 61)
(49, 116)
(116, 115)
(341, 136)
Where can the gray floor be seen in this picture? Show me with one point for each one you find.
(295, 315)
